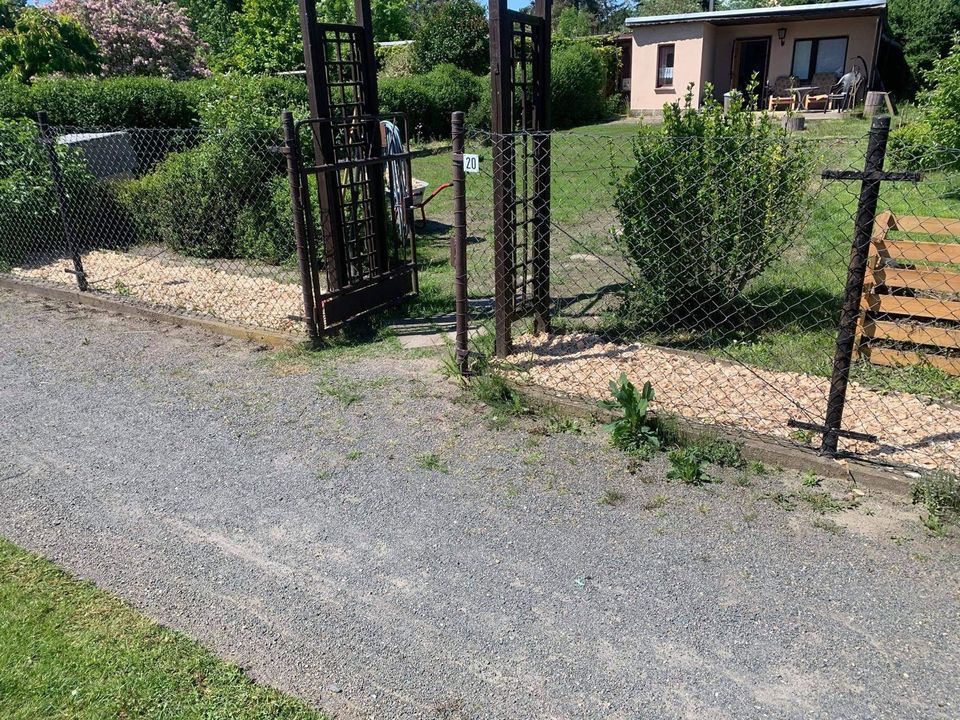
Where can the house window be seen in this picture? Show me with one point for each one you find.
(819, 56)
(664, 66)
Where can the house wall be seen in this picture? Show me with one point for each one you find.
(688, 66)
(704, 53)
(861, 31)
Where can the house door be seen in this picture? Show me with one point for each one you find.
(750, 56)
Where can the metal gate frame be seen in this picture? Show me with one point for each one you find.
(520, 86)
(364, 270)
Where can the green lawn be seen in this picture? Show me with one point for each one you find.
(68, 650)
(792, 308)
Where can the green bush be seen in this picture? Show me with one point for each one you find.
(576, 91)
(246, 101)
(712, 199)
(410, 96)
(15, 100)
(206, 201)
(265, 228)
(130, 102)
(395, 60)
(934, 141)
(453, 32)
(30, 221)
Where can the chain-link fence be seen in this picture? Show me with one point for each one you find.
(189, 221)
(717, 271)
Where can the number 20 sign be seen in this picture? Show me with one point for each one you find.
(471, 163)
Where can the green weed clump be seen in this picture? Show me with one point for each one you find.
(939, 493)
(687, 466)
(633, 431)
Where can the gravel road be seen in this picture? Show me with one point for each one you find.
(354, 531)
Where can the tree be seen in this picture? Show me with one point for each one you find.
(41, 41)
(391, 20)
(139, 37)
(268, 37)
(9, 11)
(923, 28)
(213, 22)
(573, 23)
(455, 32)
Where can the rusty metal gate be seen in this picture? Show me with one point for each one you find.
(359, 199)
(520, 121)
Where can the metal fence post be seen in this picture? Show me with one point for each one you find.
(856, 271)
(459, 243)
(291, 149)
(541, 180)
(63, 199)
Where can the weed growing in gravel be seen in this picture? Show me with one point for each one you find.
(758, 468)
(824, 502)
(719, 451)
(354, 455)
(655, 503)
(742, 480)
(808, 479)
(534, 458)
(491, 389)
(611, 497)
(432, 461)
(686, 466)
(939, 493)
(557, 425)
(342, 389)
(827, 524)
(632, 432)
(785, 501)
(749, 516)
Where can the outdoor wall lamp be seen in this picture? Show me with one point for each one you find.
(782, 33)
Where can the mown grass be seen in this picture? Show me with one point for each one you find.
(69, 650)
(789, 314)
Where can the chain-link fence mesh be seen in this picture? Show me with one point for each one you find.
(193, 221)
(716, 270)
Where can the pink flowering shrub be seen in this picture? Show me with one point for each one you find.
(139, 37)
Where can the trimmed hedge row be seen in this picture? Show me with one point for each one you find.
(579, 91)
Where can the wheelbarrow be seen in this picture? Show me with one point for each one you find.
(418, 190)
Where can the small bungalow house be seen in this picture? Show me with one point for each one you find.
(798, 46)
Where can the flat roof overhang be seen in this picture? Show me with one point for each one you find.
(825, 11)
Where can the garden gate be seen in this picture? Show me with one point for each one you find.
(520, 123)
(369, 254)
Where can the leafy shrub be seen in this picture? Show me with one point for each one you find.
(934, 141)
(687, 466)
(717, 450)
(30, 221)
(712, 199)
(633, 431)
(15, 99)
(114, 102)
(576, 91)
(410, 96)
(395, 60)
(209, 201)
(453, 32)
(237, 101)
(265, 228)
(41, 42)
(939, 493)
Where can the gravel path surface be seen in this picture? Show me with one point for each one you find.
(283, 513)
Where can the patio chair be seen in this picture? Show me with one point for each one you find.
(780, 99)
(843, 95)
(824, 82)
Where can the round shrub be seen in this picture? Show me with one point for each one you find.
(411, 97)
(130, 102)
(576, 91)
(712, 199)
(453, 32)
(15, 100)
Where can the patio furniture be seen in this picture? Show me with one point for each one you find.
(823, 82)
(780, 97)
(843, 95)
(800, 95)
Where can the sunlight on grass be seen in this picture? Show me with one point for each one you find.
(69, 650)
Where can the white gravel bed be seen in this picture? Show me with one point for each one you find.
(913, 430)
(183, 285)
